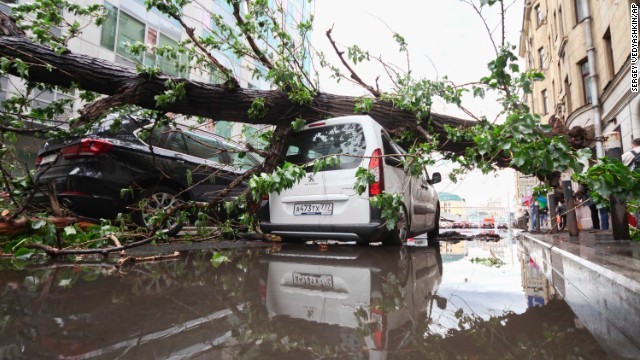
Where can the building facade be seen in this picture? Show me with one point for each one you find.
(452, 206)
(554, 39)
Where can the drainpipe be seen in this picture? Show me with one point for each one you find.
(593, 77)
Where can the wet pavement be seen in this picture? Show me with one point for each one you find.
(471, 298)
(600, 279)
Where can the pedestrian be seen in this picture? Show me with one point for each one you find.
(543, 210)
(561, 210)
(632, 157)
(582, 195)
(534, 215)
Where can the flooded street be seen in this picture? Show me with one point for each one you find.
(483, 299)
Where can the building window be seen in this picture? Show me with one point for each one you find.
(539, 18)
(545, 102)
(121, 28)
(608, 49)
(560, 23)
(541, 57)
(586, 80)
(567, 95)
(109, 27)
(581, 14)
(130, 31)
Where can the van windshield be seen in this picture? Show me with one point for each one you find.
(345, 139)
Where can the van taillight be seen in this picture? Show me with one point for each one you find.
(378, 324)
(375, 166)
(86, 147)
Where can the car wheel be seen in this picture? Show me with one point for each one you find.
(150, 201)
(400, 233)
(432, 236)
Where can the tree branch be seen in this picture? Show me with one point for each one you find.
(354, 75)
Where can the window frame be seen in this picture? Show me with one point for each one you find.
(545, 101)
(539, 17)
(583, 68)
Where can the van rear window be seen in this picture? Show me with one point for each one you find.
(345, 139)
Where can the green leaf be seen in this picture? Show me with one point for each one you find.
(218, 259)
(69, 230)
(38, 224)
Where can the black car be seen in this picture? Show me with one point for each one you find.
(112, 168)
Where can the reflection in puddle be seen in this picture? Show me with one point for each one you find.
(294, 301)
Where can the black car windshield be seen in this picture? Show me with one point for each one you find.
(311, 144)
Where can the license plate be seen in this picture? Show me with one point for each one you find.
(313, 281)
(313, 209)
(48, 159)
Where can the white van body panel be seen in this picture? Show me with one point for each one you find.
(325, 203)
(334, 186)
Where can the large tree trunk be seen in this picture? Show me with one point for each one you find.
(202, 99)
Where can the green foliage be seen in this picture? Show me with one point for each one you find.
(258, 109)
(609, 177)
(219, 258)
(488, 261)
(298, 124)
(174, 91)
(357, 55)
(282, 178)
(363, 105)
(391, 205)
(364, 177)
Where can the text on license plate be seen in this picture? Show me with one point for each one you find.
(313, 209)
(313, 281)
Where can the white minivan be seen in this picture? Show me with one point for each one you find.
(325, 205)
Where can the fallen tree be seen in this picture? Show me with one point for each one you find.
(124, 85)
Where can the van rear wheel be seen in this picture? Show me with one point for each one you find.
(400, 233)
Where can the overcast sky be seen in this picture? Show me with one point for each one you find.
(445, 37)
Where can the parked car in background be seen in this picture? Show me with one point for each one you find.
(488, 223)
(325, 205)
(503, 226)
(445, 224)
(475, 225)
(124, 162)
(457, 225)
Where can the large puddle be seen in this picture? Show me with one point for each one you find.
(470, 299)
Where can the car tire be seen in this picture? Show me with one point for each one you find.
(432, 236)
(400, 233)
(156, 198)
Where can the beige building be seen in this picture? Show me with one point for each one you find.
(554, 39)
(453, 206)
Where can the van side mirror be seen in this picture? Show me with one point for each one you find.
(435, 178)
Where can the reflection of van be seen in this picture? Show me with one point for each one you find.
(339, 293)
(325, 205)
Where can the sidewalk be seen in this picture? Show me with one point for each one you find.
(600, 280)
(597, 250)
